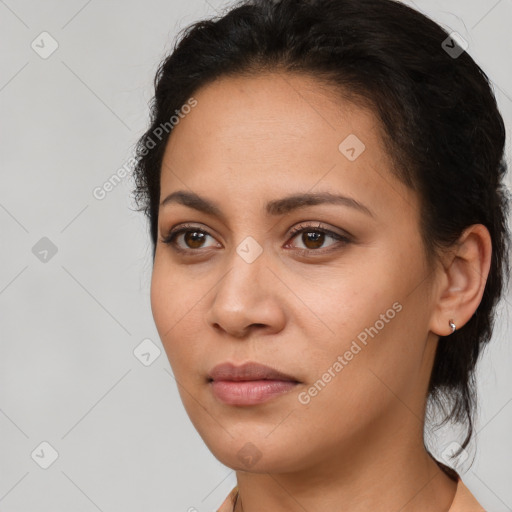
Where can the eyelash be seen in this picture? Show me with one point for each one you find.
(170, 238)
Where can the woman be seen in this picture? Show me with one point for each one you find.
(323, 181)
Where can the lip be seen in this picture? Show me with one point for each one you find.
(249, 384)
(247, 371)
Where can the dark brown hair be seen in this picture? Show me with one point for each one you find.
(439, 119)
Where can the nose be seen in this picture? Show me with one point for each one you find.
(247, 298)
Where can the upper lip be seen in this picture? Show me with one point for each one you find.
(247, 371)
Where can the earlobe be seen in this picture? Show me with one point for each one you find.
(464, 279)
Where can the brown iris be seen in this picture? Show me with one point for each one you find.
(317, 239)
(195, 237)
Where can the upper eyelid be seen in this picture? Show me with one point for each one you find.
(293, 232)
(300, 225)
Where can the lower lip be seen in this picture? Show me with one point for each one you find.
(249, 392)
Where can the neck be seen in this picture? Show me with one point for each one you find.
(389, 472)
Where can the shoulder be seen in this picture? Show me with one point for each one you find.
(229, 502)
(464, 501)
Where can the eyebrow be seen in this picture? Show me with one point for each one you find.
(275, 207)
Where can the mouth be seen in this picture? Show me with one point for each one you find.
(249, 384)
(250, 371)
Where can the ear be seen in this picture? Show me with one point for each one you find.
(462, 280)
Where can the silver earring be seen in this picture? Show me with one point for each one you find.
(452, 325)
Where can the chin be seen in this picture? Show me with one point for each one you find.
(247, 453)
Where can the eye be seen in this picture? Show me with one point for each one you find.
(313, 237)
(193, 238)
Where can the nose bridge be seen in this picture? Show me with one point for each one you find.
(245, 279)
(245, 295)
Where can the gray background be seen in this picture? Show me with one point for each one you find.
(70, 320)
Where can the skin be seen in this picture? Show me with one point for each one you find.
(359, 441)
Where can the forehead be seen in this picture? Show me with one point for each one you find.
(286, 132)
(275, 109)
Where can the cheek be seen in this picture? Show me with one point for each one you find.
(166, 308)
(355, 382)
(372, 329)
(172, 295)
(161, 302)
(176, 308)
(345, 304)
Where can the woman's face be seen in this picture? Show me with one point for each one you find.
(348, 318)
